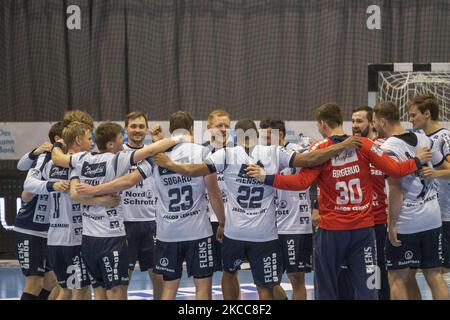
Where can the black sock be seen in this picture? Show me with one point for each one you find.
(43, 295)
(28, 296)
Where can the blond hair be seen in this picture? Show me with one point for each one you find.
(217, 113)
(73, 130)
(80, 116)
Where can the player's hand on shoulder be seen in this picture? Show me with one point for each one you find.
(45, 147)
(256, 172)
(157, 133)
(352, 142)
(162, 159)
(424, 155)
(428, 173)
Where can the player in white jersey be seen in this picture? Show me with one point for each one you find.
(64, 234)
(183, 232)
(414, 215)
(139, 204)
(293, 211)
(250, 228)
(424, 114)
(31, 228)
(219, 127)
(104, 248)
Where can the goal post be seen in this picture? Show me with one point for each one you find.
(400, 82)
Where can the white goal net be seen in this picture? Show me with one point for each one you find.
(401, 86)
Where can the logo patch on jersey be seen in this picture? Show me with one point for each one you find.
(111, 213)
(43, 197)
(77, 219)
(76, 207)
(93, 170)
(376, 150)
(344, 157)
(165, 171)
(39, 218)
(59, 173)
(283, 204)
(243, 170)
(114, 224)
(303, 208)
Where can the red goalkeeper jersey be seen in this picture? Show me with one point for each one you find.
(345, 183)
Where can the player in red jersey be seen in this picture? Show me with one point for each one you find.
(345, 204)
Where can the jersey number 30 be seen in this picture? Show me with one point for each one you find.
(349, 192)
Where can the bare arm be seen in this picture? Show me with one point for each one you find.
(443, 171)
(157, 147)
(185, 169)
(394, 208)
(26, 161)
(92, 200)
(27, 196)
(317, 157)
(215, 197)
(59, 157)
(216, 200)
(114, 186)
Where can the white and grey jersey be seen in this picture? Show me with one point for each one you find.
(33, 217)
(94, 169)
(65, 219)
(293, 208)
(441, 143)
(420, 210)
(181, 212)
(221, 183)
(250, 214)
(139, 202)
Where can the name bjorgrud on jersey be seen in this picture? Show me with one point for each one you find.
(184, 215)
(176, 180)
(346, 171)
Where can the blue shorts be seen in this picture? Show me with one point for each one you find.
(355, 249)
(198, 255)
(68, 266)
(381, 235)
(32, 254)
(217, 248)
(418, 250)
(446, 243)
(141, 238)
(106, 260)
(297, 252)
(265, 258)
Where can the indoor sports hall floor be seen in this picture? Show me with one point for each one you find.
(11, 285)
